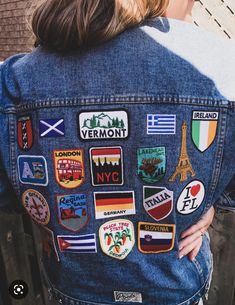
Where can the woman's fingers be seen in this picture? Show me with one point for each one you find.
(191, 248)
(194, 252)
(189, 240)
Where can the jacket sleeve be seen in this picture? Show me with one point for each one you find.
(226, 202)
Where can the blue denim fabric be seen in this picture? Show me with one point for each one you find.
(161, 67)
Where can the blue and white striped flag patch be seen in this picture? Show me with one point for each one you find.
(161, 124)
(77, 244)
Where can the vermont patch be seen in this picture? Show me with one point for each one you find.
(204, 127)
(36, 206)
(155, 238)
(151, 164)
(96, 125)
(77, 244)
(69, 167)
(117, 238)
(25, 133)
(191, 197)
(72, 211)
(48, 242)
(112, 204)
(162, 124)
(51, 128)
(158, 202)
(32, 170)
(106, 166)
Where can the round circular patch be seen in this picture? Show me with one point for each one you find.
(36, 206)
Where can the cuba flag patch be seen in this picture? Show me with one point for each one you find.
(77, 244)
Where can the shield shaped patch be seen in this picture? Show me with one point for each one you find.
(204, 127)
(25, 133)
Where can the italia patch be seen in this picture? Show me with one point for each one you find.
(36, 206)
(151, 164)
(69, 167)
(96, 125)
(155, 238)
(113, 204)
(158, 202)
(32, 170)
(25, 133)
(77, 244)
(204, 127)
(117, 238)
(72, 211)
(106, 166)
(124, 296)
(48, 242)
(161, 124)
(191, 197)
(51, 128)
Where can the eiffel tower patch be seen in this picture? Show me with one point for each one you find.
(25, 133)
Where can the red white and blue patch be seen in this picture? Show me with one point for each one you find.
(25, 133)
(77, 244)
(51, 128)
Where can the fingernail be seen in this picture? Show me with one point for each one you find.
(180, 248)
(193, 259)
(180, 256)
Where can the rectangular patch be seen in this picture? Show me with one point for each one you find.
(48, 242)
(123, 296)
(161, 124)
(77, 244)
(52, 128)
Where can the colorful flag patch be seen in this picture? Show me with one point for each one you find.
(77, 244)
(158, 202)
(95, 125)
(106, 166)
(72, 211)
(112, 204)
(204, 127)
(161, 124)
(48, 242)
(117, 238)
(69, 167)
(155, 238)
(25, 133)
(51, 128)
(36, 206)
(191, 197)
(32, 170)
(151, 164)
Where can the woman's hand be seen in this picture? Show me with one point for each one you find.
(191, 241)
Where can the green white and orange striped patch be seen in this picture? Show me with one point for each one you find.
(204, 127)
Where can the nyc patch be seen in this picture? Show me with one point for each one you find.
(72, 211)
(117, 238)
(69, 167)
(158, 202)
(51, 128)
(106, 166)
(112, 204)
(77, 244)
(155, 238)
(161, 124)
(32, 170)
(151, 164)
(191, 197)
(96, 125)
(204, 127)
(36, 206)
(124, 296)
(25, 133)
(48, 242)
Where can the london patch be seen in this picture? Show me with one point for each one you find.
(155, 238)
(106, 166)
(72, 211)
(77, 244)
(204, 127)
(158, 202)
(117, 238)
(191, 197)
(95, 125)
(25, 133)
(151, 164)
(112, 204)
(32, 170)
(69, 167)
(51, 128)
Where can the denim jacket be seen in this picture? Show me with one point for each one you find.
(114, 152)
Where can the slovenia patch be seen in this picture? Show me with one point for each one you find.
(77, 244)
(163, 124)
(52, 128)
(25, 133)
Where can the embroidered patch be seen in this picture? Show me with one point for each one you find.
(77, 244)
(32, 170)
(72, 211)
(69, 167)
(158, 202)
(161, 124)
(155, 238)
(112, 204)
(48, 242)
(191, 197)
(106, 166)
(204, 127)
(51, 128)
(151, 164)
(111, 124)
(25, 133)
(123, 296)
(36, 206)
(184, 167)
(117, 238)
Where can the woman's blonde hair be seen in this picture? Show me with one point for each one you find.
(65, 25)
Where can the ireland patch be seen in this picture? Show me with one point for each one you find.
(151, 164)
(204, 127)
